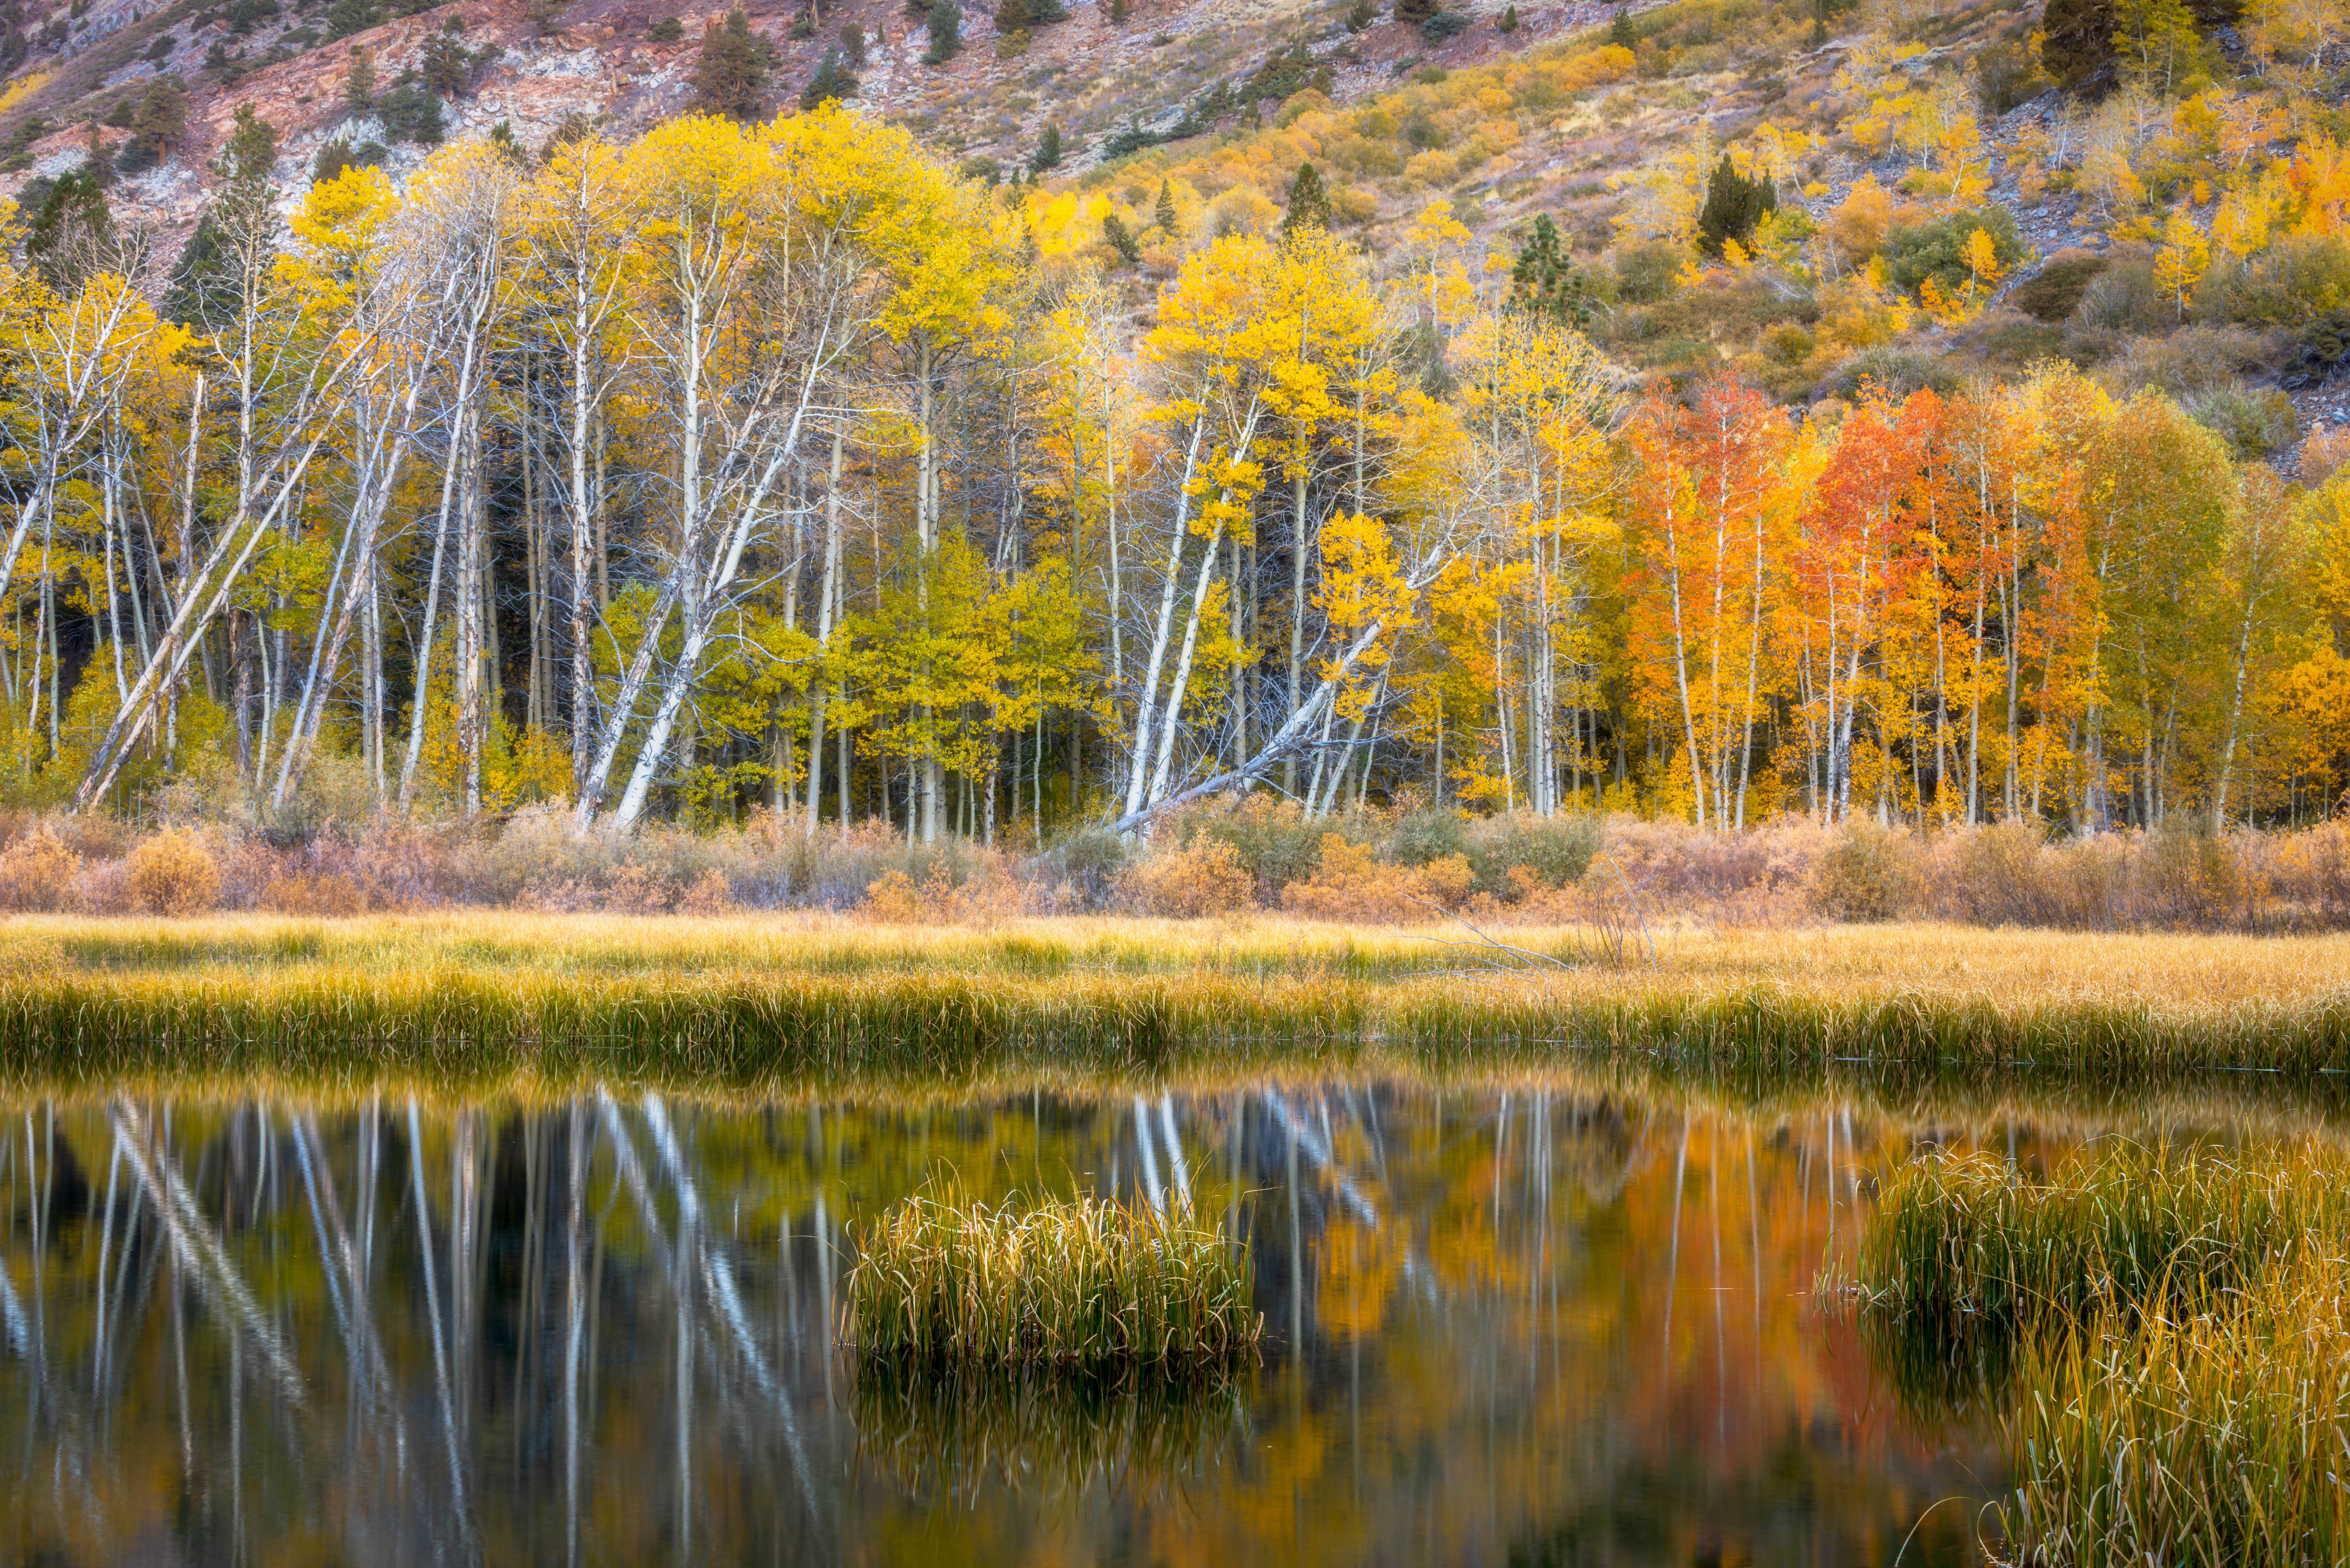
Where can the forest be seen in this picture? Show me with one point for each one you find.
(740, 465)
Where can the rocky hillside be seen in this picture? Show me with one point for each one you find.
(92, 70)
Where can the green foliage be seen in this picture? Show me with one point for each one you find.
(2054, 291)
(1645, 272)
(853, 44)
(1619, 31)
(1067, 1285)
(2076, 40)
(1309, 203)
(1048, 150)
(1431, 833)
(1938, 249)
(1120, 238)
(2006, 76)
(1360, 15)
(1444, 25)
(946, 32)
(72, 233)
(1416, 11)
(2298, 278)
(668, 30)
(411, 113)
(1557, 850)
(1509, 22)
(358, 81)
(1163, 216)
(830, 84)
(1544, 283)
(1733, 205)
(157, 125)
(731, 77)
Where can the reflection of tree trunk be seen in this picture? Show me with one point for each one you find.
(1673, 1261)
(432, 1310)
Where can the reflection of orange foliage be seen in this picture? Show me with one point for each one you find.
(1359, 1268)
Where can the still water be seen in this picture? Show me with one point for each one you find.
(1503, 1326)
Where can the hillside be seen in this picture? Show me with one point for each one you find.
(1881, 130)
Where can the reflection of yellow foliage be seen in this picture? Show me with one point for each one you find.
(1358, 1269)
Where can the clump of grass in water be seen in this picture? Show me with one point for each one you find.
(2175, 1328)
(1080, 1285)
(1968, 1249)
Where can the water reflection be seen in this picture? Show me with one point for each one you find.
(1506, 1326)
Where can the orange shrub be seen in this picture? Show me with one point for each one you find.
(1352, 884)
(38, 872)
(1203, 878)
(173, 874)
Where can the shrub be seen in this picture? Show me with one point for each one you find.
(2296, 278)
(1088, 862)
(1271, 839)
(1895, 372)
(173, 874)
(2254, 424)
(2054, 291)
(330, 893)
(38, 872)
(1202, 877)
(1865, 874)
(1430, 832)
(1554, 851)
(1352, 884)
(2124, 298)
(1937, 250)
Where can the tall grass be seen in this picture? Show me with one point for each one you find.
(2168, 1332)
(2213, 1430)
(1083, 1285)
(1963, 1247)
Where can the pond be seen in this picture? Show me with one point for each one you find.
(1504, 1325)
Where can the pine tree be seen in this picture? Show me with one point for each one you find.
(1360, 15)
(1121, 239)
(1048, 151)
(157, 125)
(202, 290)
(1309, 203)
(1416, 11)
(1119, 12)
(98, 163)
(852, 45)
(830, 84)
(1012, 16)
(1164, 214)
(69, 237)
(1619, 31)
(946, 32)
(359, 82)
(1509, 22)
(1543, 282)
(1733, 205)
(732, 75)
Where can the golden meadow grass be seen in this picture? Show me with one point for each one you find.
(1078, 1285)
(749, 1004)
(2165, 1331)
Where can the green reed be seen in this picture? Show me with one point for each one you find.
(1964, 1247)
(2164, 1328)
(2215, 1430)
(941, 1280)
